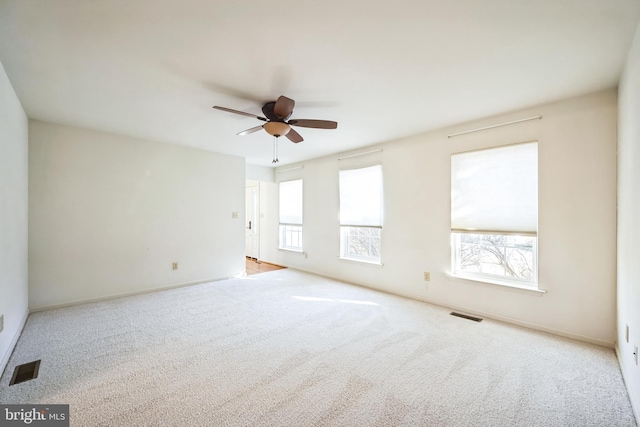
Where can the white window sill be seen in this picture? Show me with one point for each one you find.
(299, 251)
(497, 282)
(361, 261)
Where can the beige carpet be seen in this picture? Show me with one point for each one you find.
(286, 348)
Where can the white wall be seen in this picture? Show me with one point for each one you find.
(628, 222)
(268, 216)
(260, 173)
(13, 216)
(577, 219)
(109, 215)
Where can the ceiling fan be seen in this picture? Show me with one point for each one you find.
(277, 121)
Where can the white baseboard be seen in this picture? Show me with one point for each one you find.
(126, 294)
(500, 318)
(14, 341)
(528, 325)
(630, 390)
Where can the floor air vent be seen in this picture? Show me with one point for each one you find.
(26, 372)
(464, 316)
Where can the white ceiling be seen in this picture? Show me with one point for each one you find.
(154, 68)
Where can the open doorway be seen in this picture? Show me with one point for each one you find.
(252, 222)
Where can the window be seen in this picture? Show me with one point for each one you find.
(361, 214)
(494, 214)
(291, 215)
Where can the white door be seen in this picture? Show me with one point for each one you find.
(252, 240)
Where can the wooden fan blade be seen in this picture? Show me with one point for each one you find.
(284, 107)
(317, 124)
(248, 131)
(294, 136)
(267, 110)
(229, 110)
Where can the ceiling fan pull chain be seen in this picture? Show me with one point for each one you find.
(275, 150)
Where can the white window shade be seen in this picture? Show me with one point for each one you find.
(495, 190)
(361, 197)
(291, 202)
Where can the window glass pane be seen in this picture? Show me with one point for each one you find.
(291, 237)
(500, 255)
(360, 243)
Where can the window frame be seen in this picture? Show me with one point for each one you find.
(456, 233)
(286, 226)
(532, 282)
(283, 229)
(344, 245)
(347, 226)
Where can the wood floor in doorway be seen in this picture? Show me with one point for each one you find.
(255, 267)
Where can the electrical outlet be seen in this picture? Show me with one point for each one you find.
(174, 265)
(234, 215)
(427, 276)
(1, 322)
